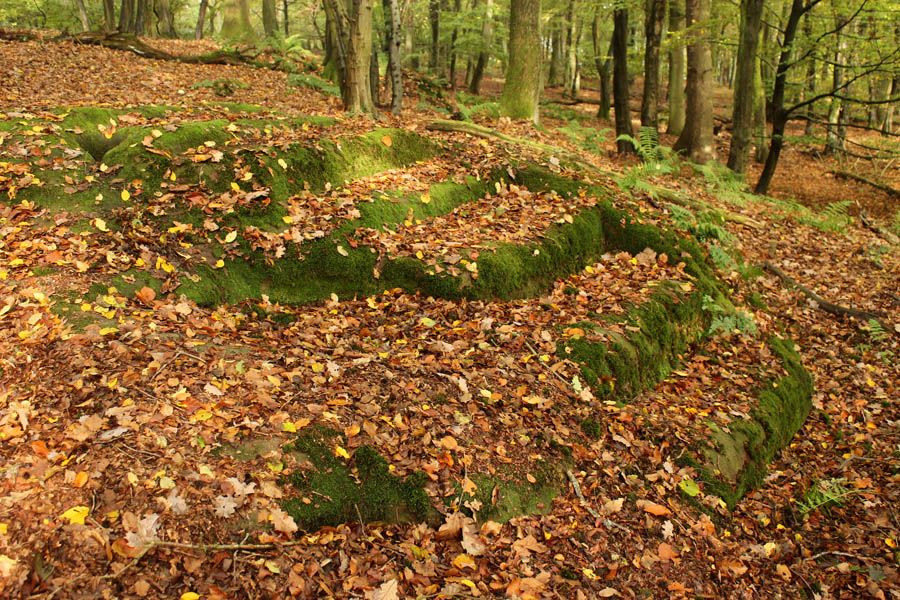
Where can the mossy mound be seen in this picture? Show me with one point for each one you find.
(332, 490)
(734, 462)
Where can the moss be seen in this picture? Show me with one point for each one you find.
(734, 462)
(333, 491)
(509, 495)
(592, 429)
(237, 107)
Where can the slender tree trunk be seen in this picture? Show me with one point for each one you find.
(522, 88)
(834, 142)
(487, 35)
(653, 27)
(394, 64)
(359, 52)
(603, 63)
(201, 15)
(109, 14)
(457, 7)
(620, 80)
(780, 114)
(434, 18)
(284, 14)
(165, 19)
(742, 111)
(270, 21)
(810, 76)
(571, 55)
(696, 139)
(557, 56)
(142, 17)
(759, 113)
(82, 14)
(889, 112)
(676, 70)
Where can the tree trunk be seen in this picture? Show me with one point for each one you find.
(522, 88)
(126, 17)
(109, 14)
(284, 14)
(888, 128)
(82, 14)
(810, 77)
(141, 17)
(201, 15)
(434, 18)
(696, 139)
(834, 143)
(620, 80)
(742, 110)
(571, 62)
(359, 51)
(394, 65)
(676, 70)
(165, 19)
(270, 21)
(780, 114)
(603, 63)
(759, 113)
(653, 26)
(487, 35)
(236, 22)
(457, 7)
(557, 57)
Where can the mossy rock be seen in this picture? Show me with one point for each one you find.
(507, 495)
(733, 462)
(334, 490)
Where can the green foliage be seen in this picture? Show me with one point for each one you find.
(825, 494)
(834, 217)
(588, 138)
(876, 331)
(222, 86)
(895, 223)
(727, 320)
(289, 53)
(657, 160)
(309, 80)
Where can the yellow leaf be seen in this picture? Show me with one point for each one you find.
(282, 164)
(289, 427)
(232, 235)
(342, 251)
(100, 224)
(287, 219)
(235, 187)
(108, 330)
(190, 596)
(339, 451)
(77, 514)
(318, 367)
(125, 195)
(463, 561)
(201, 415)
(351, 431)
(219, 264)
(275, 467)
(3, 528)
(890, 543)
(425, 198)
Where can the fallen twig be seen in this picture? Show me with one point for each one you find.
(829, 307)
(884, 188)
(577, 487)
(874, 227)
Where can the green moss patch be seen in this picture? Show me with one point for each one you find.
(734, 462)
(332, 490)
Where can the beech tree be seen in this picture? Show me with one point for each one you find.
(697, 139)
(522, 88)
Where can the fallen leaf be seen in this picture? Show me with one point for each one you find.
(653, 508)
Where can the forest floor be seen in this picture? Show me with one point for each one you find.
(123, 472)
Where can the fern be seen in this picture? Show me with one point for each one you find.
(727, 320)
(723, 261)
(825, 494)
(834, 217)
(876, 331)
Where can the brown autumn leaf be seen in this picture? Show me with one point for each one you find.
(653, 508)
(666, 551)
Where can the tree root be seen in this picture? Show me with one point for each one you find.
(875, 228)
(884, 188)
(830, 307)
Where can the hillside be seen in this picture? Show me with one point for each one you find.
(254, 347)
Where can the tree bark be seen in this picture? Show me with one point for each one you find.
(109, 14)
(284, 14)
(394, 59)
(457, 7)
(236, 22)
(676, 70)
(270, 21)
(83, 16)
(557, 58)
(487, 35)
(359, 51)
(201, 16)
(165, 19)
(603, 63)
(696, 139)
(834, 142)
(434, 19)
(653, 26)
(742, 110)
(522, 88)
(620, 80)
(780, 114)
(126, 17)
(759, 113)
(571, 62)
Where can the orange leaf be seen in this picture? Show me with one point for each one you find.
(80, 479)
(653, 508)
(666, 552)
(387, 141)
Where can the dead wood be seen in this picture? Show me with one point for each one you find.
(830, 307)
(881, 186)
